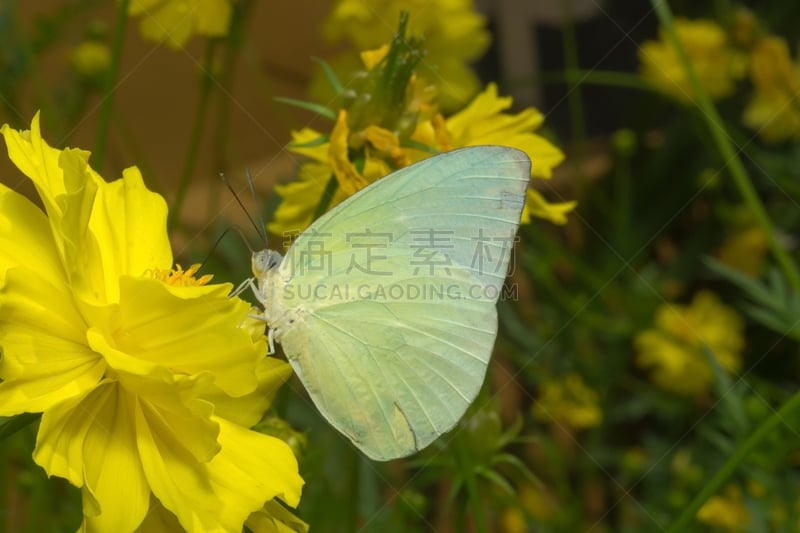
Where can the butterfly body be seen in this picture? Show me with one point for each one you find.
(385, 306)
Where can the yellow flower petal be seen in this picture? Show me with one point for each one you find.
(159, 520)
(37, 160)
(370, 58)
(248, 410)
(346, 174)
(483, 122)
(317, 151)
(300, 198)
(189, 335)
(386, 144)
(114, 473)
(537, 206)
(129, 224)
(275, 518)
(250, 469)
(62, 432)
(45, 358)
(98, 426)
(25, 239)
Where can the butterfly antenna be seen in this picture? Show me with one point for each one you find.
(262, 225)
(238, 230)
(259, 229)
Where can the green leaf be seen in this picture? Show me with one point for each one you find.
(11, 425)
(729, 395)
(497, 479)
(777, 306)
(332, 78)
(309, 106)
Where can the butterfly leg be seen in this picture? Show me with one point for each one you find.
(271, 342)
(262, 299)
(242, 286)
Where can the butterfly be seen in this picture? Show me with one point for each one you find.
(386, 305)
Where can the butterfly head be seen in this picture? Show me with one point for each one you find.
(265, 260)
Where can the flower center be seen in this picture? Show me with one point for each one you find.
(180, 277)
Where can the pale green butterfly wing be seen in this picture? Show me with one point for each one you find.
(389, 366)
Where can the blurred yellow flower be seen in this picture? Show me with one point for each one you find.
(176, 21)
(745, 250)
(455, 36)
(146, 379)
(774, 110)
(90, 58)
(716, 64)
(726, 511)
(568, 401)
(674, 350)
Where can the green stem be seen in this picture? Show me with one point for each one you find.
(206, 81)
(577, 115)
(111, 77)
(353, 490)
(787, 411)
(729, 154)
(467, 469)
(233, 47)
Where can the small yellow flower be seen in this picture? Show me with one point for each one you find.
(674, 350)
(455, 36)
(745, 250)
(774, 111)
(146, 377)
(716, 64)
(569, 401)
(176, 21)
(726, 511)
(90, 58)
(483, 121)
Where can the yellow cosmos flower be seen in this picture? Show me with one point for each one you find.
(726, 511)
(455, 36)
(176, 21)
(674, 350)
(569, 401)
(483, 121)
(774, 111)
(716, 64)
(146, 380)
